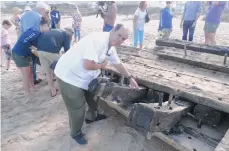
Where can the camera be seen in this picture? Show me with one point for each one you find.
(103, 5)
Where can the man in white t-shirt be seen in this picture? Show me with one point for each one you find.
(138, 24)
(79, 66)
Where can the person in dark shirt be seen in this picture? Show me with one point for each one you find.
(22, 54)
(49, 45)
(55, 18)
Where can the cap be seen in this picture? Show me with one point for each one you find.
(41, 4)
(27, 8)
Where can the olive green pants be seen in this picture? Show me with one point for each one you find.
(75, 100)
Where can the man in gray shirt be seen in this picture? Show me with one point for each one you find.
(192, 10)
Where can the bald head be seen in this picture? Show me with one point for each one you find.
(118, 35)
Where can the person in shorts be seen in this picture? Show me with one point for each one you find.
(22, 54)
(48, 46)
(5, 43)
(165, 24)
(212, 20)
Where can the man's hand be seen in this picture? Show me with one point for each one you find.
(133, 84)
(194, 24)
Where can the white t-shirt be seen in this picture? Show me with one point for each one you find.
(93, 47)
(141, 18)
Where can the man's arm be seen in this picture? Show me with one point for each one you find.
(114, 59)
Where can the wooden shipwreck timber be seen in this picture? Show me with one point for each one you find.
(183, 99)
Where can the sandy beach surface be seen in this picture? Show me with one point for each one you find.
(41, 123)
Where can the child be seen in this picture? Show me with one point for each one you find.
(6, 42)
(77, 19)
(165, 25)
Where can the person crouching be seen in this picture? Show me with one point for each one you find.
(48, 46)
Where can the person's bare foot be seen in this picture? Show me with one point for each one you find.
(54, 92)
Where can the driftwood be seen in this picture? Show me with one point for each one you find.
(195, 84)
(218, 50)
(203, 60)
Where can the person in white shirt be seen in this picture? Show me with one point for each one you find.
(138, 24)
(79, 66)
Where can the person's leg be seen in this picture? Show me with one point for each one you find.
(2, 56)
(25, 72)
(46, 60)
(135, 38)
(34, 59)
(78, 34)
(91, 114)
(31, 76)
(141, 37)
(191, 31)
(23, 64)
(211, 37)
(75, 103)
(185, 30)
(75, 34)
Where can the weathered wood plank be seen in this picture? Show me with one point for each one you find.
(207, 61)
(224, 144)
(196, 84)
(218, 50)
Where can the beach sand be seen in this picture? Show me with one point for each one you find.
(41, 123)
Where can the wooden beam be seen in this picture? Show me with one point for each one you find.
(217, 50)
(207, 61)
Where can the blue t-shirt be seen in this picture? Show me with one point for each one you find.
(53, 40)
(25, 41)
(30, 19)
(215, 12)
(166, 17)
(191, 9)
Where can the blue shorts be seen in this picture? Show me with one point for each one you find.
(107, 28)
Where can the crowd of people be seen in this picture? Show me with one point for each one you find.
(40, 40)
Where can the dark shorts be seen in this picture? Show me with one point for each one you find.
(210, 27)
(107, 28)
(7, 50)
(21, 61)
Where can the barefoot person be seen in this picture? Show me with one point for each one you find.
(79, 66)
(31, 19)
(6, 43)
(189, 19)
(21, 52)
(49, 45)
(109, 15)
(212, 20)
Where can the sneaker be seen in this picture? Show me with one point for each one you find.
(81, 139)
(98, 118)
(37, 81)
